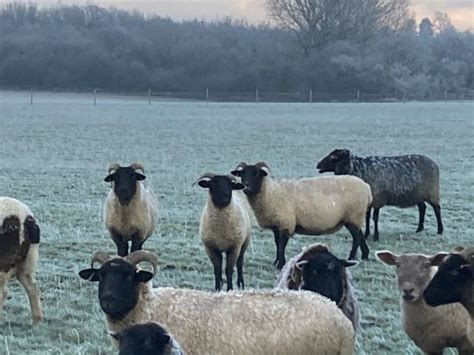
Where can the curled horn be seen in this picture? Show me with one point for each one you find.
(204, 176)
(262, 164)
(143, 255)
(240, 166)
(99, 256)
(113, 167)
(137, 166)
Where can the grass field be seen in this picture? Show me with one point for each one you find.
(54, 154)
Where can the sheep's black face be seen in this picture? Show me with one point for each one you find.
(252, 178)
(324, 274)
(143, 339)
(220, 187)
(452, 277)
(125, 183)
(338, 161)
(118, 286)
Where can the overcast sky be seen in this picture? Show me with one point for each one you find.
(461, 12)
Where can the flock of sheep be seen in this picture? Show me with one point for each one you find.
(312, 309)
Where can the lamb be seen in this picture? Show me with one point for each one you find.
(130, 209)
(402, 181)
(245, 322)
(431, 328)
(454, 282)
(317, 269)
(146, 339)
(225, 226)
(311, 206)
(19, 241)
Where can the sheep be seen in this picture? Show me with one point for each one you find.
(130, 209)
(431, 328)
(402, 181)
(19, 241)
(225, 226)
(454, 282)
(310, 206)
(244, 322)
(317, 269)
(146, 339)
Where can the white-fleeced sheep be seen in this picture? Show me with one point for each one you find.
(225, 226)
(317, 269)
(432, 329)
(130, 209)
(19, 241)
(311, 206)
(277, 322)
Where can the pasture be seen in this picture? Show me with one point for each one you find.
(54, 154)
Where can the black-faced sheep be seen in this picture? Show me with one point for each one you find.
(403, 181)
(146, 339)
(311, 206)
(130, 210)
(431, 328)
(225, 226)
(19, 241)
(317, 269)
(265, 322)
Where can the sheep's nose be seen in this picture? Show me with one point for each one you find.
(407, 293)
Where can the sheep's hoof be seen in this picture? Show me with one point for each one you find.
(37, 319)
(419, 229)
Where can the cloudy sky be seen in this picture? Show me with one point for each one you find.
(461, 12)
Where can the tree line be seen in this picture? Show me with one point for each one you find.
(333, 46)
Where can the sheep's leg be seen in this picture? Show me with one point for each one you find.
(276, 235)
(26, 279)
(3, 288)
(136, 243)
(357, 240)
(216, 260)
(231, 258)
(122, 246)
(421, 221)
(282, 242)
(240, 265)
(367, 223)
(437, 210)
(376, 224)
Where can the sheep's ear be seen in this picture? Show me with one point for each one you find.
(204, 183)
(109, 178)
(89, 274)
(348, 263)
(263, 172)
(143, 276)
(236, 172)
(237, 186)
(387, 257)
(437, 259)
(139, 176)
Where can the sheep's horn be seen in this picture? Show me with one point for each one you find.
(262, 164)
(113, 167)
(204, 176)
(137, 166)
(240, 166)
(143, 255)
(99, 256)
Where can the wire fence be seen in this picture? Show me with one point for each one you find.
(97, 95)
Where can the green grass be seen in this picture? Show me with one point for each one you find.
(54, 154)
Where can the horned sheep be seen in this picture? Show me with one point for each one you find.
(311, 206)
(317, 269)
(403, 181)
(225, 226)
(130, 209)
(244, 322)
(19, 241)
(431, 328)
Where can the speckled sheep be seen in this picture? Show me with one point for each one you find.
(225, 226)
(19, 241)
(245, 323)
(432, 329)
(311, 206)
(403, 181)
(130, 209)
(317, 269)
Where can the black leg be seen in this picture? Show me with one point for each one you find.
(283, 241)
(230, 260)
(421, 221)
(240, 266)
(437, 210)
(122, 246)
(357, 240)
(276, 235)
(136, 243)
(367, 223)
(216, 260)
(376, 223)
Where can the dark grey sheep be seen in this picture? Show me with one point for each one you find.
(402, 181)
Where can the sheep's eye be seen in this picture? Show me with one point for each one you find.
(454, 272)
